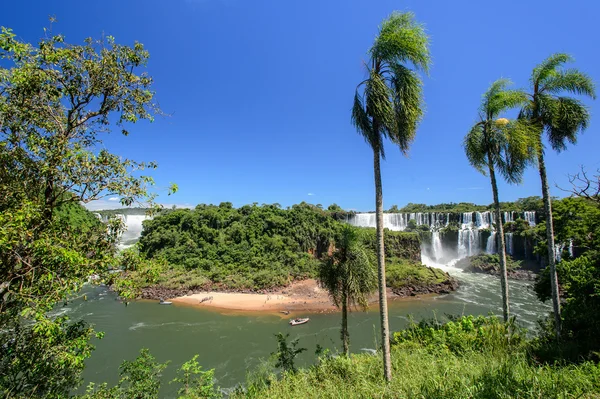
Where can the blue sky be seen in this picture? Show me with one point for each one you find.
(259, 92)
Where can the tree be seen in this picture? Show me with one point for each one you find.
(561, 118)
(287, 353)
(388, 105)
(56, 102)
(349, 277)
(585, 186)
(497, 144)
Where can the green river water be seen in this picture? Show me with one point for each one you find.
(234, 343)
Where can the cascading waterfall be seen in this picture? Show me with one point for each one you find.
(508, 237)
(529, 217)
(490, 246)
(571, 247)
(436, 244)
(469, 233)
(133, 228)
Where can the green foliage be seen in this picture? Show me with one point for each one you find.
(196, 384)
(252, 247)
(44, 359)
(462, 335)
(141, 379)
(391, 102)
(491, 262)
(580, 290)
(560, 117)
(491, 145)
(348, 275)
(402, 272)
(286, 353)
(57, 100)
(471, 358)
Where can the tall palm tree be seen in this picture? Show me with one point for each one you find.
(497, 144)
(561, 118)
(349, 277)
(388, 104)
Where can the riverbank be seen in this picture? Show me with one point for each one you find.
(303, 295)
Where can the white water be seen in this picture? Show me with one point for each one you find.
(469, 234)
(133, 228)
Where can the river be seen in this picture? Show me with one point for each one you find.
(233, 343)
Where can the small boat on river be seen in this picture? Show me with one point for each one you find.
(296, 322)
(163, 302)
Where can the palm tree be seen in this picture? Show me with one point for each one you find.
(349, 277)
(388, 104)
(561, 118)
(497, 144)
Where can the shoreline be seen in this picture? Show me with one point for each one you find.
(304, 296)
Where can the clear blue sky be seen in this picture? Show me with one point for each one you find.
(259, 92)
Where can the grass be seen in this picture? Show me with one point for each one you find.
(419, 373)
(466, 358)
(400, 272)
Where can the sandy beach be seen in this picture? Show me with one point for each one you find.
(302, 295)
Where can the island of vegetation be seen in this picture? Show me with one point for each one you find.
(261, 249)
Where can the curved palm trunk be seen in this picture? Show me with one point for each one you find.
(345, 334)
(550, 238)
(501, 243)
(383, 311)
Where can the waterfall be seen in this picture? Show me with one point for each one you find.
(509, 217)
(571, 247)
(529, 217)
(470, 224)
(508, 237)
(491, 244)
(436, 245)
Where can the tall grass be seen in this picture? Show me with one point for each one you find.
(467, 358)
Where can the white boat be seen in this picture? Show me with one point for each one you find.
(296, 322)
(163, 302)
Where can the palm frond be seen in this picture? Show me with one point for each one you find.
(408, 105)
(518, 150)
(401, 39)
(476, 148)
(360, 119)
(548, 67)
(504, 101)
(568, 117)
(571, 81)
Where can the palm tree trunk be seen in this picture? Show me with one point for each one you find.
(383, 311)
(345, 335)
(501, 242)
(550, 238)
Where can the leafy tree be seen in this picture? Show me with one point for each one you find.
(286, 353)
(57, 100)
(140, 379)
(561, 117)
(196, 383)
(388, 105)
(349, 277)
(496, 144)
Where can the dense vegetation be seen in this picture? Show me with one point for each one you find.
(56, 102)
(466, 357)
(250, 248)
(520, 205)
